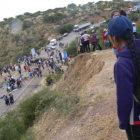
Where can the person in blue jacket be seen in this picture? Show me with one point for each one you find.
(126, 75)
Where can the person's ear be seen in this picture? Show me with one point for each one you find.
(113, 38)
(115, 41)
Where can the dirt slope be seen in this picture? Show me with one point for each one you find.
(81, 69)
(93, 81)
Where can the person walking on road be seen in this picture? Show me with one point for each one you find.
(127, 75)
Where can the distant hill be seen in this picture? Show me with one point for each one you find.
(18, 35)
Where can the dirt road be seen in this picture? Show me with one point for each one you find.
(30, 86)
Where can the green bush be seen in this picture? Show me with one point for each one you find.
(45, 100)
(28, 109)
(72, 49)
(11, 127)
(52, 78)
(66, 104)
(53, 18)
(65, 28)
(134, 16)
(16, 37)
(72, 6)
(28, 136)
(5, 53)
(27, 24)
(16, 123)
(49, 80)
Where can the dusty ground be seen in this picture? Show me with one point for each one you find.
(96, 88)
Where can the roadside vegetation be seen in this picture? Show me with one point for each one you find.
(53, 78)
(72, 49)
(15, 125)
(65, 28)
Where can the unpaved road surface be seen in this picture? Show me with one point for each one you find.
(30, 86)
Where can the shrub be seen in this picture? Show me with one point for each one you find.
(52, 78)
(134, 16)
(5, 53)
(28, 108)
(66, 104)
(49, 80)
(36, 14)
(27, 14)
(53, 18)
(27, 24)
(72, 6)
(11, 127)
(16, 38)
(72, 49)
(15, 124)
(45, 100)
(28, 136)
(65, 28)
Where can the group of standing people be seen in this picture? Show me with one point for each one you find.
(86, 42)
(8, 99)
(36, 69)
(12, 84)
(7, 69)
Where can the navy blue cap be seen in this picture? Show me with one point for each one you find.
(118, 26)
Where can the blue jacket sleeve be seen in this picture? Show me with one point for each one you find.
(124, 86)
(106, 34)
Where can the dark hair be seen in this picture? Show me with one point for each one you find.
(114, 11)
(128, 37)
(123, 13)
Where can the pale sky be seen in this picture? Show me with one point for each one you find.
(12, 8)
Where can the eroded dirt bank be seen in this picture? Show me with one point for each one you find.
(90, 76)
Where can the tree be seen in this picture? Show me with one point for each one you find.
(65, 28)
(134, 16)
(72, 6)
(27, 24)
(53, 18)
(27, 14)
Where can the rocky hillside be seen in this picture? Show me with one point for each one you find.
(18, 35)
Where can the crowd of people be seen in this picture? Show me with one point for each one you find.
(122, 34)
(87, 43)
(33, 66)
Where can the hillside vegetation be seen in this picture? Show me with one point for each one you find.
(18, 35)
